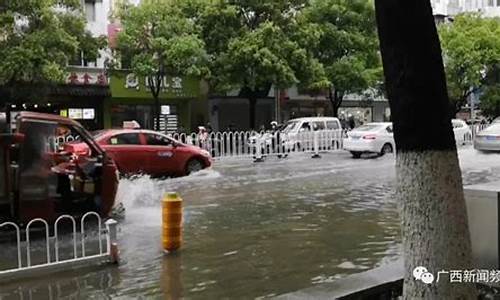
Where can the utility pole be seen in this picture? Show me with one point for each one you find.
(471, 97)
(277, 104)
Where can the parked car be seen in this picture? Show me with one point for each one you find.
(370, 138)
(488, 139)
(298, 134)
(461, 131)
(137, 151)
(38, 179)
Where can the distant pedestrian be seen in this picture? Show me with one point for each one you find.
(202, 137)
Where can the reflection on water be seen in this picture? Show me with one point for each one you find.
(252, 230)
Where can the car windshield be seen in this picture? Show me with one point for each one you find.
(290, 126)
(368, 127)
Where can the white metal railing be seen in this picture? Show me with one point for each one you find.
(264, 143)
(475, 129)
(252, 143)
(58, 263)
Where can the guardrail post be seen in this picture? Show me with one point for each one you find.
(316, 145)
(111, 239)
(18, 240)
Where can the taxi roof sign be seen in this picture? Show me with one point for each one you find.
(131, 125)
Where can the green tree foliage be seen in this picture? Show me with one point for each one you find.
(471, 46)
(37, 40)
(346, 45)
(490, 101)
(253, 45)
(158, 40)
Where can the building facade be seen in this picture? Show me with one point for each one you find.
(231, 111)
(183, 102)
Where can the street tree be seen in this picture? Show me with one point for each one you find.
(37, 40)
(253, 46)
(471, 46)
(429, 182)
(490, 101)
(347, 45)
(159, 40)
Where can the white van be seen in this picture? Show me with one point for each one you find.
(299, 134)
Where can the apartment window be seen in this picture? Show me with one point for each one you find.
(90, 10)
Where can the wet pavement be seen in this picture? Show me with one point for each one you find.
(252, 230)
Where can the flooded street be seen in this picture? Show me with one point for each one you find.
(252, 230)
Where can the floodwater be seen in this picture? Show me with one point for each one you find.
(252, 230)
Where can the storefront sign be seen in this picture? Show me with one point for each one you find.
(128, 85)
(88, 113)
(167, 83)
(165, 109)
(75, 113)
(87, 78)
(132, 81)
(78, 113)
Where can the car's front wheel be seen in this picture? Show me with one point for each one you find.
(193, 165)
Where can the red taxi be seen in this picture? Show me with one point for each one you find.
(137, 151)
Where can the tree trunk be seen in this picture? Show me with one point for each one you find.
(157, 113)
(429, 182)
(333, 97)
(252, 107)
(336, 99)
(155, 88)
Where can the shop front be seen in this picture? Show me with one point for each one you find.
(80, 97)
(182, 104)
(358, 108)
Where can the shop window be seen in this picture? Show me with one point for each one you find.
(90, 10)
(125, 139)
(157, 140)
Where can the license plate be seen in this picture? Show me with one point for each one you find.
(489, 137)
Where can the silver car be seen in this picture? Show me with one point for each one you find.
(488, 139)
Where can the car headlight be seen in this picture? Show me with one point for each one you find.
(205, 153)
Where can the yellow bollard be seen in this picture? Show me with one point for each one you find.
(172, 222)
